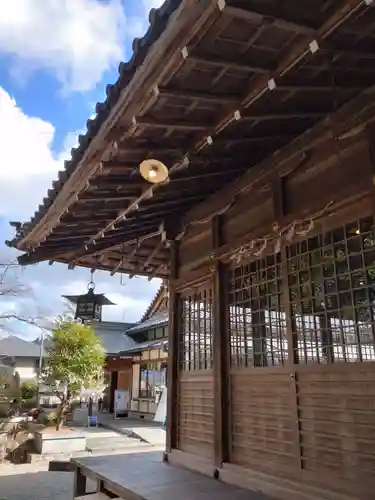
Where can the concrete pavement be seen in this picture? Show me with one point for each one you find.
(150, 432)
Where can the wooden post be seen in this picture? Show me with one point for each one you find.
(220, 354)
(79, 483)
(280, 210)
(371, 147)
(173, 358)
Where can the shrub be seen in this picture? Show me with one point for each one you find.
(29, 389)
(28, 404)
(50, 419)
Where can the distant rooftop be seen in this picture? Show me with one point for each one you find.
(157, 320)
(14, 347)
(112, 336)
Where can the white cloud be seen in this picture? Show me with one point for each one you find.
(151, 4)
(28, 165)
(75, 40)
(27, 169)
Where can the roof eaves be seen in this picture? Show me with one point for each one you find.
(158, 19)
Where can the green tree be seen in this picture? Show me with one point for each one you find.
(29, 389)
(75, 361)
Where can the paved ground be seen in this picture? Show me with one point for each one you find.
(34, 482)
(149, 431)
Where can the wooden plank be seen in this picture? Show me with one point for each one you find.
(144, 476)
(196, 415)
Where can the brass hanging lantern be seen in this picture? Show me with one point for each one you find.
(153, 171)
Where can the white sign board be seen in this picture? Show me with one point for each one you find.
(161, 412)
(122, 401)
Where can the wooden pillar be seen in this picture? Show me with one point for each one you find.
(80, 480)
(220, 354)
(280, 211)
(173, 350)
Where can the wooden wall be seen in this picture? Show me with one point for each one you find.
(303, 408)
(196, 391)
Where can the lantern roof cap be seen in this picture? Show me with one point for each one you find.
(100, 298)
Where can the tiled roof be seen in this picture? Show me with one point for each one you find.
(158, 19)
(113, 336)
(158, 319)
(141, 346)
(14, 347)
(153, 302)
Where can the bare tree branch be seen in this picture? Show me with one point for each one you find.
(11, 287)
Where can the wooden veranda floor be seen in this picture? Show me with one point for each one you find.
(145, 476)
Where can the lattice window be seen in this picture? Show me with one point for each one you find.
(196, 330)
(332, 293)
(257, 324)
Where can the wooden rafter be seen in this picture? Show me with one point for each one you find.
(282, 115)
(226, 63)
(170, 93)
(136, 212)
(257, 89)
(258, 17)
(144, 121)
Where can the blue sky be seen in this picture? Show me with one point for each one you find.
(56, 58)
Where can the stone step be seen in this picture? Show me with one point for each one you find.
(94, 496)
(116, 447)
(34, 458)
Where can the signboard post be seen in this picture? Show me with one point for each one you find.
(161, 412)
(122, 402)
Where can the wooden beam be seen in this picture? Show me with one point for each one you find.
(231, 140)
(124, 181)
(193, 95)
(125, 166)
(229, 64)
(297, 51)
(111, 197)
(206, 175)
(128, 256)
(348, 51)
(318, 88)
(220, 352)
(42, 253)
(282, 115)
(188, 24)
(144, 121)
(258, 17)
(260, 85)
(160, 203)
(146, 148)
(278, 198)
(152, 255)
(159, 271)
(173, 352)
(146, 231)
(312, 137)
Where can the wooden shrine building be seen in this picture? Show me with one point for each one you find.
(264, 114)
